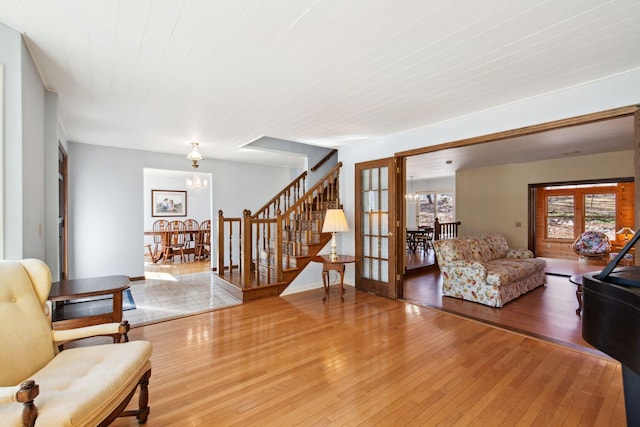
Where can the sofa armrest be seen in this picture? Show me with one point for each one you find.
(519, 253)
(468, 271)
(62, 336)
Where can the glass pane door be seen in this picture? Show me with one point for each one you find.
(376, 239)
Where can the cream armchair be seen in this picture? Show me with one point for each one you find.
(82, 386)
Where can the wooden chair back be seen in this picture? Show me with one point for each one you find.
(176, 240)
(203, 245)
(160, 226)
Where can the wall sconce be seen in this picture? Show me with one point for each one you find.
(334, 222)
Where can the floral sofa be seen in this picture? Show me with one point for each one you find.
(483, 269)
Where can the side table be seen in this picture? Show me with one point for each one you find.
(333, 265)
(576, 279)
(67, 315)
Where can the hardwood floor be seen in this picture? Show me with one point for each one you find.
(295, 360)
(547, 312)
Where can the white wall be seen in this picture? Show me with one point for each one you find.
(107, 199)
(198, 203)
(614, 92)
(33, 162)
(25, 204)
(484, 207)
(11, 58)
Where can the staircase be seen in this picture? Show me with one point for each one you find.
(260, 254)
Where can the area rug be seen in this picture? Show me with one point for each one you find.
(127, 301)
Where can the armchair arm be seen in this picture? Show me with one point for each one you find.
(519, 253)
(61, 336)
(8, 394)
(25, 393)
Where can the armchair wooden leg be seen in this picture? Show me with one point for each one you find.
(142, 413)
(143, 398)
(27, 393)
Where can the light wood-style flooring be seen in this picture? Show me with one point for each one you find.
(295, 360)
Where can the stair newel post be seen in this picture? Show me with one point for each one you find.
(247, 250)
(277, 250)
(220, 244)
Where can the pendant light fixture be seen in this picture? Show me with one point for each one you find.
(196, 182)
(412, 197)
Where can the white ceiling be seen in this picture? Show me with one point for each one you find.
(155, 75)
(605, 136)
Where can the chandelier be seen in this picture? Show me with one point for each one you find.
(196, 182)
(412, 197)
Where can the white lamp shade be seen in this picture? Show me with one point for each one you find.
(335, 221)
(625, 230)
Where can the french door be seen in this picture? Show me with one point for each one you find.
(376, 227)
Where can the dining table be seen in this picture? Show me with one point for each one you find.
(413, 235)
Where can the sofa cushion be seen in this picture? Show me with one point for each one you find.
(503, 271)
(452, 250)
(497, 244)
(81, 386)
(479, 248)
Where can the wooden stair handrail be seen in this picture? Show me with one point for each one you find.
(324, 160)
(319, 185)
(288, 190)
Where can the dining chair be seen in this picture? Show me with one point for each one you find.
(192, 230)
(203, 244)
(160, 227)
(177, 235)
(424, 240)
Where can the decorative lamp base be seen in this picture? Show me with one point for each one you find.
(334, 254)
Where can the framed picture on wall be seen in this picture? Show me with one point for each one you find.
(168, 203)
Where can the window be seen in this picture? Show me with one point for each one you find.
(560, 217)
(571, 210)
(600, 213)
(431, 205)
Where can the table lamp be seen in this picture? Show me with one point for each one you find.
(626, 231)
(334, 222)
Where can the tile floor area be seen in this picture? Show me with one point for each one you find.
(162, 296)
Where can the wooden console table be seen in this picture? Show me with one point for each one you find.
(329, 265)
(67, 315)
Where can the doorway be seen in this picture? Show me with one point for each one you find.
(63, 266)
(576, 136)
(196, 205)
